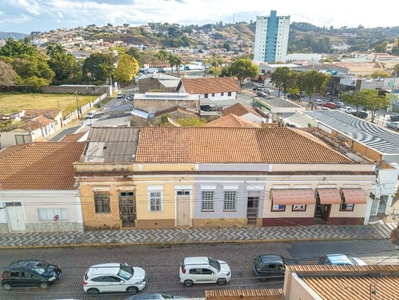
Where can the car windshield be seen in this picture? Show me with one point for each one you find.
(214, 263)
(40, 267)
(258, 262)
(126, 272)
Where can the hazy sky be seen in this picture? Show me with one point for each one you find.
(25, 16)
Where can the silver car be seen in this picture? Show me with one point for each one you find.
(393, 125)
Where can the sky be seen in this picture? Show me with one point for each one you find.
(25, 16)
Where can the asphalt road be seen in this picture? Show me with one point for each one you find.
(162, 262)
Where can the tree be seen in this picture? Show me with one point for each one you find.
(98, 67)
(127, 68)
(395, 70)
(380, 74)
(64, 65)
(312, 82)
(137, 54)
(7, 74)
(13, 48)
(242, 68)
(191, 122)
(369, 99)
(281, 78)
(32, 70)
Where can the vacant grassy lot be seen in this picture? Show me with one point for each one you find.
(11, 103)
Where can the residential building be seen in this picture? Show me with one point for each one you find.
(38, 191)
(211, 88)
(271, 38)
(166, 177)
(363, 139)
(246, 112)
(157, 81)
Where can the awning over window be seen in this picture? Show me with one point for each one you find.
(293, 196)
(354, 196)
(329, 196)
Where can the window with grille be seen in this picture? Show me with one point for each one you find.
(48, 214)
(230, 202)
(155, 201)
(102, 203)
(207, 200)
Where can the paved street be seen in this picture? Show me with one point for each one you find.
(161, 262)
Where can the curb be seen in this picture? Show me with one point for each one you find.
(174, 243)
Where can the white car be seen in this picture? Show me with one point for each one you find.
(201, 269)
(347, 109)
(318, 102)
(113, 277)
(393, 125)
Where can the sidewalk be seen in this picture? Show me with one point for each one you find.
(194, 235)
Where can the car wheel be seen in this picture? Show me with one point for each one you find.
(93, 292)
(221, 281)
(262, 279)
(6, 286)
(188, 283)
(132, 290)
(44, 285)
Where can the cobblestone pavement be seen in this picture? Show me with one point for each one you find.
(196, 235)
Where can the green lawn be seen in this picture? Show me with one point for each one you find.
(12, 103)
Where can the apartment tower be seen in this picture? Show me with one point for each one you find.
(271, 38)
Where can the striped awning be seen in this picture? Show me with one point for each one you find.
(329, 196)
(354, 196)
(292, 196)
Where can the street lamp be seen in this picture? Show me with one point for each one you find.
(77, 104)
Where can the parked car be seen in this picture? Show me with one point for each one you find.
(340, 260)
(90, 114)
(261, 94)
(330, 105)
(294, 96)
(30, 273)
(394, 118)
(201, 269)
(347, 109)
(318, 102)
(393, 125)
(339, 104)
(113, 277)
(268, 266)
(154, 296)
(361, 114)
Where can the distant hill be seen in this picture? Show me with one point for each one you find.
(14, 35)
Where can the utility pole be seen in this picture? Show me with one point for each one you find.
(77, 104)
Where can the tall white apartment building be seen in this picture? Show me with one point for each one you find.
(271, 38)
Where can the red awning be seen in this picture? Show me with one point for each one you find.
(354, 196)
(293, 196)
(329, 196)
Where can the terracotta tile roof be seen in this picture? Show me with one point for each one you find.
(240, 109)
(209, 85)
(40, 166)
(231, 120)
(175, 109)
(50, 113)
(72, 137)
(351, 282)
(232, 145)
(36, 123)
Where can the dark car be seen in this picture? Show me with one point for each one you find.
(30, 273)
(294, 96)
(360, 114)
(394, 118)
(269, 266)
(154, 296)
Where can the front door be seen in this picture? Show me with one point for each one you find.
(127, 209)
(15, 215)
(252, 207)
(183, 207)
